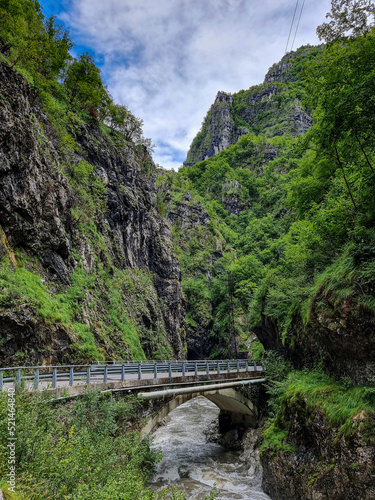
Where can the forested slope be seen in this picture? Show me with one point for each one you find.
(290, 221)
(265, 239)
(284, 249)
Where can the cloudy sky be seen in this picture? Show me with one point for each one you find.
(167, 59)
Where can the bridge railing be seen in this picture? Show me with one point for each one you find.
(36, 377)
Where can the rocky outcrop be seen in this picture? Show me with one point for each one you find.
(324, 465)
(267, 109)
(339, 335)
(38, 196)
(186, 215)
(26, 337)
(219, 131)
(35, 198)
(231, 197)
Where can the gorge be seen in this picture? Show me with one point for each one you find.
(261, 245)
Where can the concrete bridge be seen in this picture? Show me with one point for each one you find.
(234, 396)
(162, 386)
(73, 379)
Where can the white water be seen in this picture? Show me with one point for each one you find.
(194, 466)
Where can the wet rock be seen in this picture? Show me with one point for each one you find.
(324, 465)
(35, 198)
(36, 203)
(25, 336)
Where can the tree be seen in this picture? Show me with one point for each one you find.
(59, 45)
(350, 18)
(341, 88)
(85, 86)
(28, 39)
(127, 124)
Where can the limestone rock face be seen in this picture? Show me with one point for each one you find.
(35, 198)
(36, 217)
(323, 466)
(259, 109)
(140, 238)
(220, 131)
(187, 216)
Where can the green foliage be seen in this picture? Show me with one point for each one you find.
(305, 205)
(345, 407)
(85, 86)
(90, 192)
(257, 350)
(39, 49)
(21, 285)
(350, 19)
(28, 39)
(79, 449)
(127, 125)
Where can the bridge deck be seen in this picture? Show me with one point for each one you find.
(65, 378)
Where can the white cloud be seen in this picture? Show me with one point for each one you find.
(166, 59)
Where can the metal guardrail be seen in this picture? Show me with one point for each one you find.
(101, 372)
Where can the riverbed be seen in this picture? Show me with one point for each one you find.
(195, 465)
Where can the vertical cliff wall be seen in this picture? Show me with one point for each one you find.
(79, 227)
(272, 108)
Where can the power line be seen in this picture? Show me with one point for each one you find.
(299, 19)
(291, 26)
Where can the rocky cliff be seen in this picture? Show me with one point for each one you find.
(219, 131)
(79, 228)
(273, 108)
(322, 462)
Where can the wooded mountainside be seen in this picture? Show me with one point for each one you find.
(262, 244)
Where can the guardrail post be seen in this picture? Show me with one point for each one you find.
(238, 366)
(71, 375)
(207, 368)
(88, 375)
(196, 369)
(255, 366)
(122, 373)
(18, 377)
(155, 370)
(36, 379)
(1, 380)
(170, 370)
(139, 371)
(183, 368)
(54, 377)
(218, 367)
(228, 366)
(105, 374)
(247, 365)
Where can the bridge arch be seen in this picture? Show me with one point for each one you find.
(235, 409)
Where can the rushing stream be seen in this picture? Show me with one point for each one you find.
(195, 465)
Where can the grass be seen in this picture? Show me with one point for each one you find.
(346, 407)
(20, 286)
(79, 450)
